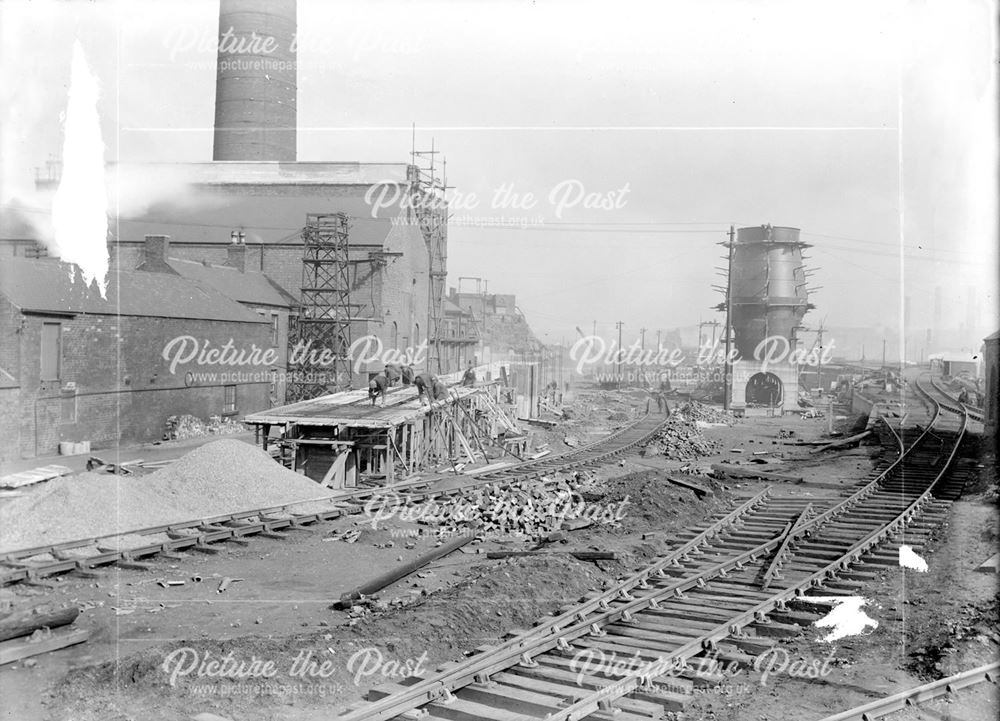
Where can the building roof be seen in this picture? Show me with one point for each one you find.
(50, 286)
(251, 287)
(994, 336)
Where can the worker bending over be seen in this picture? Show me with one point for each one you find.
(440, 390)
(393, 371)
(377, 386)
(425, 384)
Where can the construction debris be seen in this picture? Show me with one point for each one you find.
(188, 426)
(681, 438)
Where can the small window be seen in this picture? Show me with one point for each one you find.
(229, 400)
(51, 351)
(274, 329)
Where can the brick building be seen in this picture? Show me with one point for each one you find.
(390, 260)
(78, 367)
(991, 385)
(248, 287)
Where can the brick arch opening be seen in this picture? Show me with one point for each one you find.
(764, 389)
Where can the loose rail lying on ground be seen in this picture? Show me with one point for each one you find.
(913, 696)
(705, 595)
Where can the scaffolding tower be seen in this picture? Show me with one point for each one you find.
(319, 339)
(431, 209)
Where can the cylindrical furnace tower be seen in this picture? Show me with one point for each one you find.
(769, 296)
(255, 81)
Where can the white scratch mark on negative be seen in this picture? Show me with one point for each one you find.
(846, 618)
(909, 559)
(80, 205)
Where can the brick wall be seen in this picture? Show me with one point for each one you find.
(124, 387)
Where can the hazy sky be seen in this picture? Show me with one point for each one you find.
(816, 115)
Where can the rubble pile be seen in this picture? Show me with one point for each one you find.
(188, 426)
(681, 440)
(521, 510)
(695, 411)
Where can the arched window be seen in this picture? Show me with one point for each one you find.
(395, 335)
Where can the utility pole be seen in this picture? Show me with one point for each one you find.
(642, 336)
(727, 380)
(819, 370)
(595, 328)
(658, 348)
(619, 324)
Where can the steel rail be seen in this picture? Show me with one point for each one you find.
(554, 635)
(918, 694)
(547, 634)
(644, 676)
(974, 412)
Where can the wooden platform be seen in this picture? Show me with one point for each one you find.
(353, 409)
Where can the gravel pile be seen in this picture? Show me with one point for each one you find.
(681, 440)
(228, 475)
(224, 476)
(90, 504)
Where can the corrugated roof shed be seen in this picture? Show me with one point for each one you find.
(50, 286)
(250, 287)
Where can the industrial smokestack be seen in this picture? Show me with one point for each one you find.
(255, 83)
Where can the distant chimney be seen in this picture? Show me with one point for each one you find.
(236, 257)
(155, 251)
(255, 90)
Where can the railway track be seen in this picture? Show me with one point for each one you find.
(731, 589)
(34, 565)
(951, 403)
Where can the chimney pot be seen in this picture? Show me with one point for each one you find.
(155, 251)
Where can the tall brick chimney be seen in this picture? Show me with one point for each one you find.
(255, 89)
(155, 251)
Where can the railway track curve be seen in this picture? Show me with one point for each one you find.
(731, 590)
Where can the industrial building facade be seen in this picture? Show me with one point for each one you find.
(76, 367)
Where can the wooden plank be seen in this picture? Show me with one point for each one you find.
(18, 649)
(700, 491)
(24, 622)
(747, 472)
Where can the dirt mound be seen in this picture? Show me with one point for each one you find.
(654, 504)
(492, 599)
(220, 477)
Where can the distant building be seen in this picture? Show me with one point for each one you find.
(991, 401)
(78, 367)
(459, 338)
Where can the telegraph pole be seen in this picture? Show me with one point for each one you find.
(619, 324)
(727, 380)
